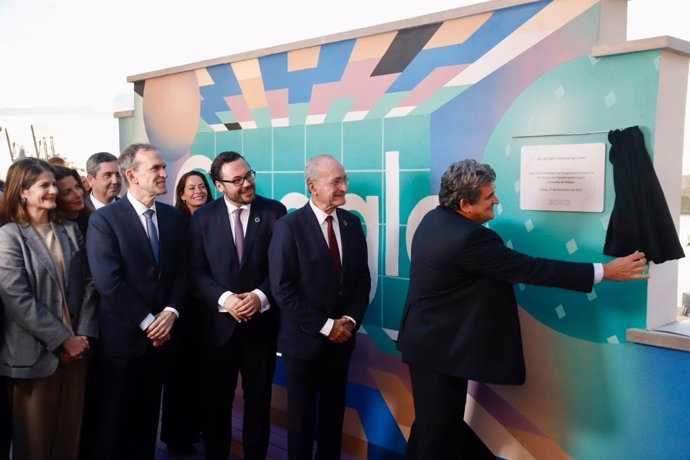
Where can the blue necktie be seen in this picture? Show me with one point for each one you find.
(153, 233)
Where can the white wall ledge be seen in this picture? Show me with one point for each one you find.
(658, 339)
(664, 42)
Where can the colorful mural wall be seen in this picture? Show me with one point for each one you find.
(396, 108)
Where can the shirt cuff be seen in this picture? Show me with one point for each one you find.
(351, 319)
(146, 322)
(264, 300)
(598, 272)
(326, 329)
(175, 312)
(221, 300)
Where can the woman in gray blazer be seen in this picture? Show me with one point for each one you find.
(49, 314)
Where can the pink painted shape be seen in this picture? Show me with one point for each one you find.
(356, 83)
(503, 412)
(239, 108)
(277, 101)
(429, 85)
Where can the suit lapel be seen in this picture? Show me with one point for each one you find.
(317, 232)
(129, 215)
(344, 225)
(253, 224)
(165, 237)
(225, 248)
(39, 249)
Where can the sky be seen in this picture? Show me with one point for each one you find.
(64, 64)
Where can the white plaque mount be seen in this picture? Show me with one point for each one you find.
(566, 177)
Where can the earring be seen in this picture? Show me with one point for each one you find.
(23, 201)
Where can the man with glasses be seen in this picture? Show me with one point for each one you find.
(320, 280)
(229, 240)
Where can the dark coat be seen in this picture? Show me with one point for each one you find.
(640, 219)
(305, 283)
(130, 282)
(214, 264)
(460, 316)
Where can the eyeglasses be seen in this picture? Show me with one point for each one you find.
(238, 181)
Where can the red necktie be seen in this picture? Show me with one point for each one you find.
(333, 245)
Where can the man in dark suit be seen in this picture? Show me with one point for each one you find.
(104, 178)
(460, 320)
(320, 280)
(135, 248)
(229, 240)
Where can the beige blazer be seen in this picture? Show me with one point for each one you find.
(32, 329)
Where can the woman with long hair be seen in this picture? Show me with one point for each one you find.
(70, 197)
(182, 391)
(49, 314)
(192, 192)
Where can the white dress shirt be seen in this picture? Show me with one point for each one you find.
(321, 217)
(244, 218)
(140, 208)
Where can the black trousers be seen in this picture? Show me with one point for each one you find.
(316, 383)
(181, 414)
(250, 352)
(5, 420)
(128, 405)
(439, 431)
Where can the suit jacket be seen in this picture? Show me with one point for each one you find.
(460, 316)
(130, 282)
(30, 290)
(216, 269)
(88, 202)
(305, 284)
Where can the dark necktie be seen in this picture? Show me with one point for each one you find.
(333, 245)
(239, 234)
(153, 233)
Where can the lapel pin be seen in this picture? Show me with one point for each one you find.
(257, 219)
(344, 222)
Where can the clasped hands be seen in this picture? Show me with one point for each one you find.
(242, 306)
(159, 329)
(73, 348)
(341, 331)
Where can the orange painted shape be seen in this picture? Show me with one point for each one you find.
(397, 396)
(305, 58)
(372, 47)
(354, 437)
(540, 446)
(457, 31)
(204, 77)
(253, 92)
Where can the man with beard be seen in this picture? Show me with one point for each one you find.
(136, 254)
(104, 180)
(229, 260)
